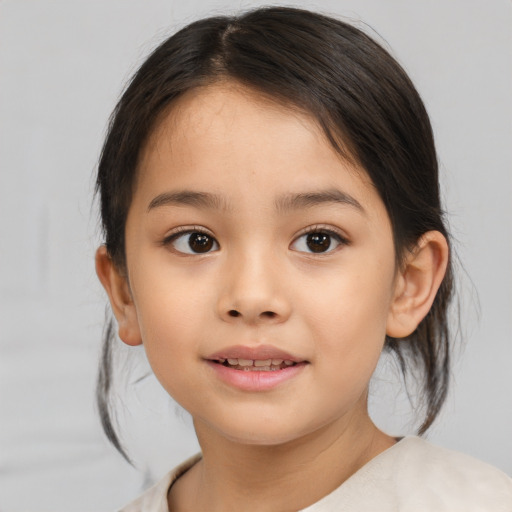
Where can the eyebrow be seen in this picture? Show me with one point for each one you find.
(283, 204)
(202, 200)
(309, 199)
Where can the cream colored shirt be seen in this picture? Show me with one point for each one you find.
(411, 476)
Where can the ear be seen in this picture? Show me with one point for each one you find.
(417, 284)
(118, 290)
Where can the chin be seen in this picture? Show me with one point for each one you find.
(263, 433)
(261, 439)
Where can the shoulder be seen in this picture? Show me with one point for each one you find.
(417, 476)
(429, 477)
(155, 498)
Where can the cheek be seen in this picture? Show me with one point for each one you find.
(172, 311)
(348, 314)
(168, 294)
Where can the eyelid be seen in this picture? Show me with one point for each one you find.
(325, 229)
(180, 231)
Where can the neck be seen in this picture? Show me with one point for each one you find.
(280, 477)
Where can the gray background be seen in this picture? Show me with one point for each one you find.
(62, 66)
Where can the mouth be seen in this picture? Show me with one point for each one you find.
(262, 358)
(255, 365)
(255, 369)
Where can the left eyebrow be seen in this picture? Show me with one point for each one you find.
(202, 200)
(309, 199)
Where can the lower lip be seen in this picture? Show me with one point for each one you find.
(255, 380)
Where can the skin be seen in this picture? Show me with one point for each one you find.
(261, 285)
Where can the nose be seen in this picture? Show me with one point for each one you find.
(254, 291)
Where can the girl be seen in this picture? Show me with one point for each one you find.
(270, 203)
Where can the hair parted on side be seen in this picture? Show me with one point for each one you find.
(361, 97)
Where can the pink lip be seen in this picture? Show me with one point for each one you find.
(260, 352)
(255, 380)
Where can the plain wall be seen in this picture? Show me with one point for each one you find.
(62, 66)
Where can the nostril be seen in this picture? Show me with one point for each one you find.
(233, 313)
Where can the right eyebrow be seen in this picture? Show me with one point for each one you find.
(315, 198)
(203, 200)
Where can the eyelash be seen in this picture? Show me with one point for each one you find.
(316, 229)
(184, 230)
(323, 230)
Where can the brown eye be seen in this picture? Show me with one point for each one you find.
(193, 242)
(199, 242)
(318, 242)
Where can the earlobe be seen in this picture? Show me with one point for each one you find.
(417, 284)
(118, 291)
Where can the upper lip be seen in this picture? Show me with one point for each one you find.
(260, 352)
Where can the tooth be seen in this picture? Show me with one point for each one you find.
(263, 362)
(277, 362)
(287, 362)
(233, 362)
(221, 360)
(245, 362)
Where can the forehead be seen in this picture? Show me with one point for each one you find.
(226, 112)
(226, 136)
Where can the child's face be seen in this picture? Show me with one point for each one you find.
(252, 179)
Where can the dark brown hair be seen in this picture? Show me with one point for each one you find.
(358, 94)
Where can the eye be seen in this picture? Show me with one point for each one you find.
(192, 242)
(318, 241)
